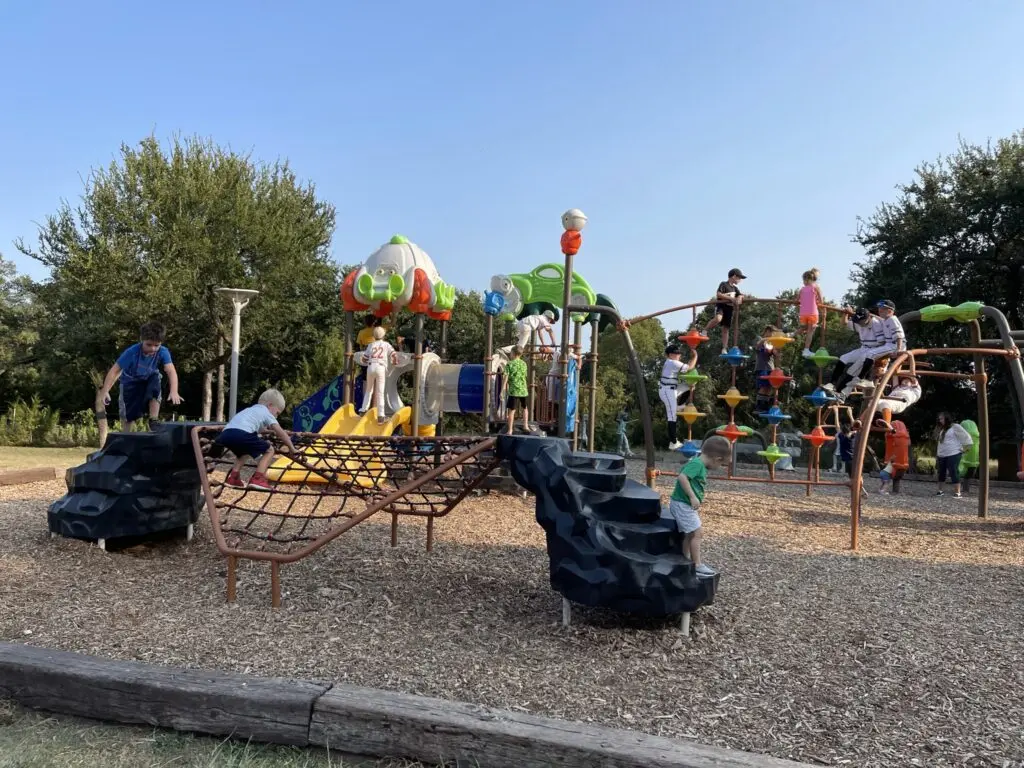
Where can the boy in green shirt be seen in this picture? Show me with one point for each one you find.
(688, 495)
(518, 392)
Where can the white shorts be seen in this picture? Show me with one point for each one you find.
(686, 517)
(896, 406)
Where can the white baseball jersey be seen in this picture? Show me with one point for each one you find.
(871, 335)
(892, 330)
(379, 353)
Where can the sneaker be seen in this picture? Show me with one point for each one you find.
(725, 351)
(840, 397)
(958, 495)
(234, 480)
(807, 353)
(259, 480)
(940, 493)
(830, 388)
(705, 570)
(864, 384)
(154, 424)
(675, 446)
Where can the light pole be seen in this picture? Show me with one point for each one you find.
(240, 298)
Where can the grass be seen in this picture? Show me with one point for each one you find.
(15, 457)
(36, 740)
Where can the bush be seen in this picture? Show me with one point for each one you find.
(35, 425)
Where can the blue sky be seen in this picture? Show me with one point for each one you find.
(695, 135)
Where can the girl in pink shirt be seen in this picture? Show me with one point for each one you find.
(810, 298)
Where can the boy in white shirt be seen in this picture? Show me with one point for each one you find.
(376, 358)
(671, 389)
(849, 369)
(241, 437)
(900, 397)
(893, 337)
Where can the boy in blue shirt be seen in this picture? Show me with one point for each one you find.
(241, 436)
(138, 370)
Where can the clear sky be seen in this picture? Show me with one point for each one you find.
(695, 135)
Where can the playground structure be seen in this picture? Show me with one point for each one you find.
(1005, 345)
(335, 481)
(353, 467)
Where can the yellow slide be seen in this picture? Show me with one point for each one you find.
(345, 421)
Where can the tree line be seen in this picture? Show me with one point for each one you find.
(159, 228)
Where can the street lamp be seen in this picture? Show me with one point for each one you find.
(240, 298)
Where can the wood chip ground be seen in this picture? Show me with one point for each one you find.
(910, 652)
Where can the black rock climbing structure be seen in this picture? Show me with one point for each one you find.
(139, 483)
(610, 544)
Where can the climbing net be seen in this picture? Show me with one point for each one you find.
(332, 483)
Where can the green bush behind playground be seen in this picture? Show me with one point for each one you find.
(32, 424)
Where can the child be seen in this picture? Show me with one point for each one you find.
(728, 296)
(365, 336)
(241, 437)
(885, 478)
(901, 397)
(138, 370)
(670, 389)
(848, 370)
(688, 495)
(810, 298)
(845, 441)
(518, 391)
(897, 452)
(767, 358)
(539, 323)
(893, 337)
(376, 358)
(622, 421)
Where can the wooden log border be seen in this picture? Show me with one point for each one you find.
(22, 476)
(361, 721)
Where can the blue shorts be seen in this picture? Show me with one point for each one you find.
(242, 443)
(136, 394)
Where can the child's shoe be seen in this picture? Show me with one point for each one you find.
(807, 353)
(675, 446)
(705, 570)
(259, 480)
(958, 495)
(154, 424)
(234, 480)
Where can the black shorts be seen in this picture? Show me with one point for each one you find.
(242, 443)
(514, 401)
(725, 312)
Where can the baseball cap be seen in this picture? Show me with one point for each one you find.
(860, 315)
(737, 272)
(549, 315)
(886, 304)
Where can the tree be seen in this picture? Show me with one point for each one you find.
(19, 317)
(154, 234)
(955, 233)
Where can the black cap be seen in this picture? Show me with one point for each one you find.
(860, 315)
(886, 304)
(737, 272)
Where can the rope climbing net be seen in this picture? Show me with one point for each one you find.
(332, 483)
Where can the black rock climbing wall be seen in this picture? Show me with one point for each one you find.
(610, 544)
(139, 483)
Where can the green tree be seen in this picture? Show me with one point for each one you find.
(19, 320)
(154, 234)
(955, 233)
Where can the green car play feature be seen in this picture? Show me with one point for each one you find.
(962, 313)
(546, 284)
